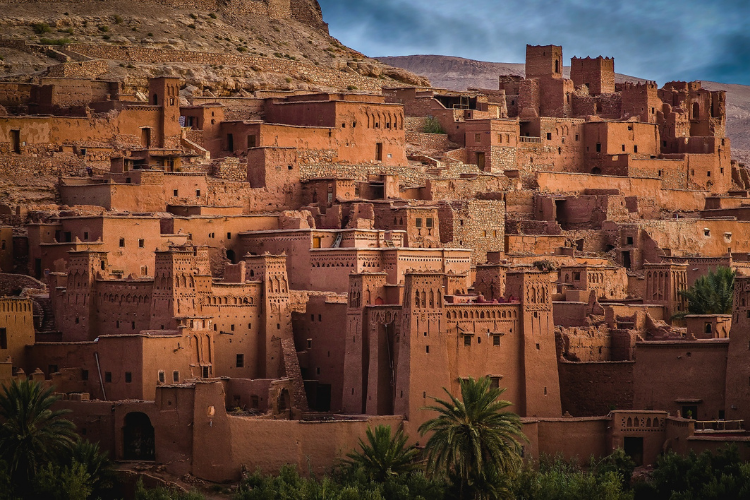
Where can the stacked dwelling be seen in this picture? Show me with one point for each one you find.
(254, 279)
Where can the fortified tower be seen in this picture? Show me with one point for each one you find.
(276, 324)
(597, 74)
(544, 61)
(541, 380)
(664, 282)
(422, 366)
(165, 93)
(182, 280)
(76, 306)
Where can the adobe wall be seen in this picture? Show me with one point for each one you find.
(575, 438)
(596, 388)
(315, 445)
(702, 370)
(476, 224)
(672, 200)
(321, 348)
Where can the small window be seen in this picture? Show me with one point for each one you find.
(122, 242)
(598, 147)
(3, 338)
(309, 343)
(630, 240)
(128, 377)
(494, 382)
(108, 376)
(467, 340)
(477, 137)
(635, 149)
(496, 340)
(85, 238)
(418, 222)
(161, 376)
(549, 136)
(576, 137)
(141, 243)
(428, 222)
(175, 376)
(84, 375)
(538, 347)
(197, 192)
(623, 147)
(175, 192)
(52, 369)
(427, 349)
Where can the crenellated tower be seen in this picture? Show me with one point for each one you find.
(541, 380)
(75, 306)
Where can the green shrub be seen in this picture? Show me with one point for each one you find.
(242, 49)
(351, 87)
(69, 482)
(191, 26)
(41, 28)
(432, 126)
(193, 16)
(103, 28)
(141, 493)
(212, 15)
(118, 19)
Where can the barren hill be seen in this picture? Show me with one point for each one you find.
(225, 46)
(459, 74)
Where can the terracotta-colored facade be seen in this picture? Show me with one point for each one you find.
(256, 282)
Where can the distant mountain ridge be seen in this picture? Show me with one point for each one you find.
(456, 73)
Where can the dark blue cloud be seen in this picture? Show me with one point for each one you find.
(656, 39)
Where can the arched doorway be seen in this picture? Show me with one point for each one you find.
(138, 437)
(231, 256)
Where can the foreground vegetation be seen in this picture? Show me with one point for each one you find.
(473, 453)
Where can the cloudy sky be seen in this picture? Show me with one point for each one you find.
(655, 39)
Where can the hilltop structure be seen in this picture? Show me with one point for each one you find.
(250, 280)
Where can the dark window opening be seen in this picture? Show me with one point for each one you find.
(3, 338)
(128, 377)
(108, 376)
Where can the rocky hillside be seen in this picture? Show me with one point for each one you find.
(459, 74)
(225, 46)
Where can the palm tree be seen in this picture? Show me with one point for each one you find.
(96, 464)
(383, 455)
(710, 294)
(31, 433)
(474, 441)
